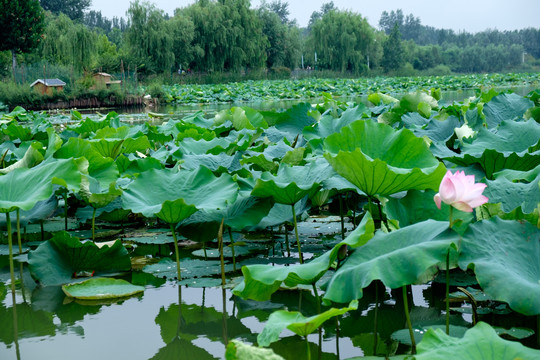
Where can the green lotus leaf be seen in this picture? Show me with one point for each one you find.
(488, 211)
(404, 337)
(512, 175)
(15, 185)
(132, 166)
(88, 126)
(419, 206)
(246, 211)
(261, 281)
(292, 183)
(15, 131)
(399, 258)
(418, 101)
(505, 107)
(101, 168)
(221, 163)
(31, 158)
(378, 98)
(297, 323)
(41, 211)
(292, 121)
(176, 195)
(382, 161)
(101, 288)
(199, 147)
(237, 350)
(435, 130)
(96, 196)
(514, 194)
(55, 261)
(505, 256)
(242, 118)
(512, 145)
(479, 343)
(281, 213)
(329, 125)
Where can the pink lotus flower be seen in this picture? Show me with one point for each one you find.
(460, 191)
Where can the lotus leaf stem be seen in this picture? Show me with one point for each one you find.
(94, 225)
(64, 195)
(10, 246)
(296, 233)
(308, 350)
(473, 304)
(176, 252)
(337, 337)
(224, 317)
(448, 292)
(317, 298)
(375, 319)
(19, 240)
(220, 244)
(450, 215)
(342, 217)
(408, 317)
(232, 248)
(287, 242)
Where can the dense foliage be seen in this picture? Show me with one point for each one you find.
(230, 36)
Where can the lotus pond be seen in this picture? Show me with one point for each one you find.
(305, 233)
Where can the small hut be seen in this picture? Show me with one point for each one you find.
(46, 86)
(103, 80)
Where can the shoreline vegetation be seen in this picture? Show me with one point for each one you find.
(237, 88)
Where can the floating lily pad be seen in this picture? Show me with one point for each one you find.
(155, 239)
(191, 268)
(101, 288)
(227, 252)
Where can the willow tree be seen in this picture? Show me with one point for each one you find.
(228, 35)
(284, 42)
(21, 26)
(148, 41)
(65, 42)
(341, 40)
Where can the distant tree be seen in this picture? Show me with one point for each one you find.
(21, 26)
(393, 51)
(74, 9)
(280, 8)
(388, 20)
(342, 41)
(317, 15)
(228, 35)
(68, 43)
(148, 41)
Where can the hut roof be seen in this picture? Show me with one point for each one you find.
(49, 82)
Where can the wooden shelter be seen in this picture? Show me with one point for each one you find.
(104, 80)
(46, 86)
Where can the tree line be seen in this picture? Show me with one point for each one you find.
(231, 36)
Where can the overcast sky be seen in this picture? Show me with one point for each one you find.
(468, 15)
